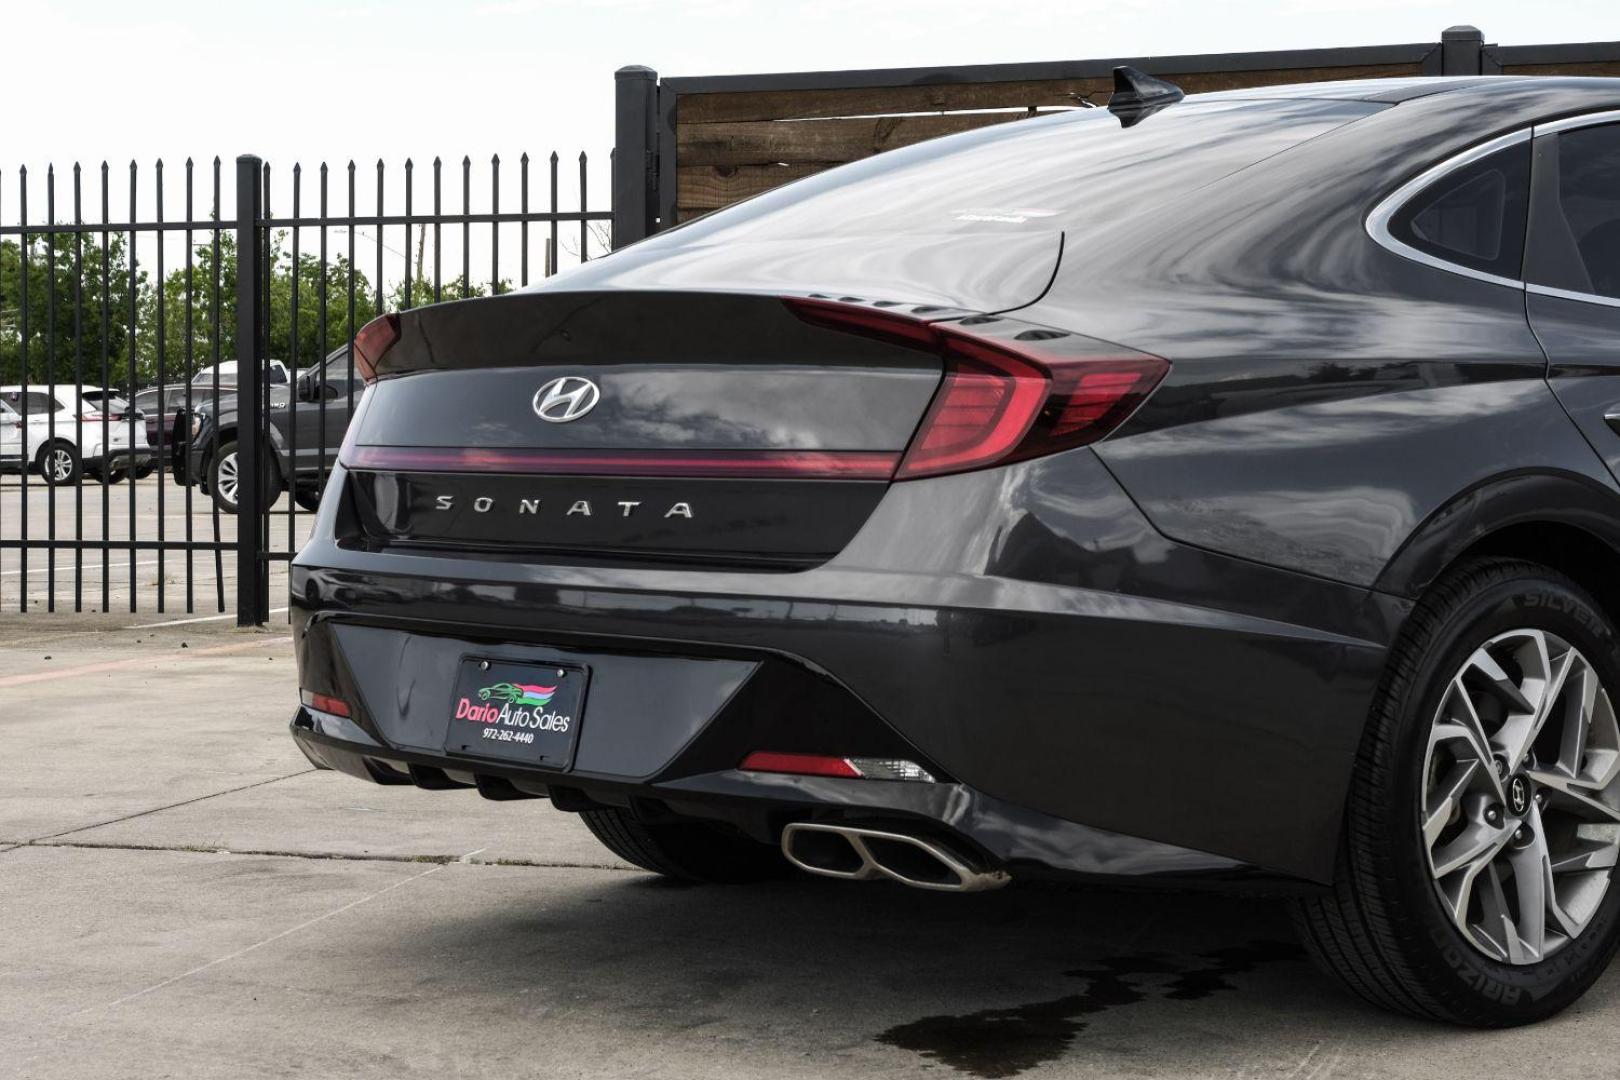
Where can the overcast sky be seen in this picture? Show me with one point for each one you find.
(363, 79)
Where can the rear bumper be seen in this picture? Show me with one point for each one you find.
(1098, 700)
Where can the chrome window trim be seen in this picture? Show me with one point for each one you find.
(1570, 294)
(1378, 220)
(1569, 123)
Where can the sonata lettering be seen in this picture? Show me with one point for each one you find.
(484, 504)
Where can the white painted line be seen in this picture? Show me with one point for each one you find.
(39, 568)
(188, 622)
(113, 665)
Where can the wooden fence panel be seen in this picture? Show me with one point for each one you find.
(705, 143)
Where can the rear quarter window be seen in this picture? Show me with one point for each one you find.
(1473, 216)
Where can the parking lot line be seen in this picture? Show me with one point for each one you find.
(134, 661)
(199, 619)
(39, 570)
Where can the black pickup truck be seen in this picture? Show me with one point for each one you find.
(307, 422)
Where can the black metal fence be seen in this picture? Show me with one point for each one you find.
(131, 342)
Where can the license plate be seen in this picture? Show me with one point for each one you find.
(517, 712)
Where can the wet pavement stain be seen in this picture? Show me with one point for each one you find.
(999, 1043)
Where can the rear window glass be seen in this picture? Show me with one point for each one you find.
(1475, 216)
(1589, 196)
(1072, 171)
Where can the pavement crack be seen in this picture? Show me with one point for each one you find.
(260, 944)
(169, 806)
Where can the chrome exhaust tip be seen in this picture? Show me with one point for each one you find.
(852, 853)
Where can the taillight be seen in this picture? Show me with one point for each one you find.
(374, 339)
(846, 768)
(324, 703)
(1011, 390)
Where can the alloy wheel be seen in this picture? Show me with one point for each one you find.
(60, 464)
(1521, 796)
(226, 479)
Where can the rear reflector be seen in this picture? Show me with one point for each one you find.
(856, 768)
(324, 703)
(1011, 390)
(771, 464)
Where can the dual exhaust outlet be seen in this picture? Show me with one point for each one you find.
(856, 854)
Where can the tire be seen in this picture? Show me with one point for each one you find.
(143, 471)
(59, 463)
(222, 480)
(688, 851)
(113, 476)
(307, 498)
(1384, 930)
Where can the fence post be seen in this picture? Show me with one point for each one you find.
(635, 183)
(1461, 49)
(252, 578)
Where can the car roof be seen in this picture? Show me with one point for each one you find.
(1397, 90)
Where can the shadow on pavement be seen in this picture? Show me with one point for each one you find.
(990, 985)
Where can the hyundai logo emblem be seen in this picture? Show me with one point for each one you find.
(567, 398)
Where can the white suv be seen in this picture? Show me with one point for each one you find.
(59, 435)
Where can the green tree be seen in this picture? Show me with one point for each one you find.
(308, 282)
(66, 332)
(421, 292)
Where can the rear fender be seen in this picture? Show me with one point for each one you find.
(1538, 498)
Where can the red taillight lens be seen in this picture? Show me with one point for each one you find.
(1011, 391)
(324, 703)
(743, 464)
(374, 339)
(799, 764)
(983, 408)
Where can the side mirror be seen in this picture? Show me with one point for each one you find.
(307, 388)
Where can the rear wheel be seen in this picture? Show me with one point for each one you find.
(690, 851)
(59, 463)
(1483, 825)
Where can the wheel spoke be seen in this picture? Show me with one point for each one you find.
(1497, 924)
(1500, 681)
(1444, 805)
(1464, 736)
(1532, 880)
(1567, 792)
(1518, 733)
(1577, 719)
(1586, 855)
(1474, 847)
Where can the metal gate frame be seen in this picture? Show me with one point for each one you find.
(107, 341)
(255, 547)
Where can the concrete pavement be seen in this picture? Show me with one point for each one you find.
(181, 895)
